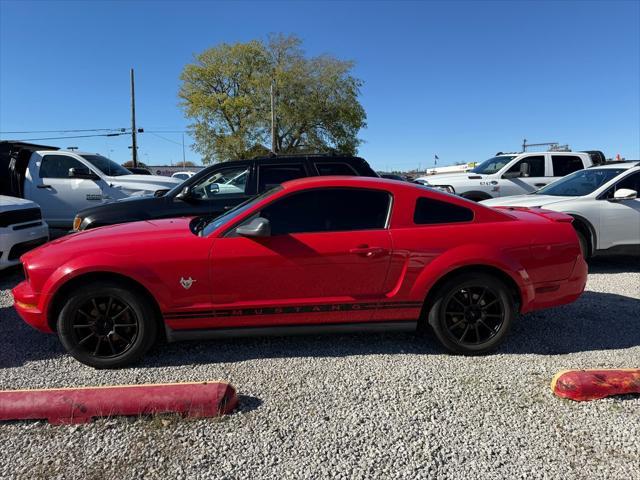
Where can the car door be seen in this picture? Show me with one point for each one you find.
(325, 261)
(59, 196)
(620, 219)
(513, 183)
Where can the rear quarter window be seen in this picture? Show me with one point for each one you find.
(429, 211)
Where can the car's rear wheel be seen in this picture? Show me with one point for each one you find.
(106, 326)
(584, 245)
(472, 313)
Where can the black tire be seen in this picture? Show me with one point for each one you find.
(104, 325)
(472, 313)
(584, 244)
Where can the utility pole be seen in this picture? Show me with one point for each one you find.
(274, 140)
(184, 163)
(134, 143)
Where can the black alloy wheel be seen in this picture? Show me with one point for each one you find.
(107, 325)
(472, 313)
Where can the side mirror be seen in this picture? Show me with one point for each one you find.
(625, 194)
(184, 193)
(82, 172)
(213, 188)
(258, 227)
(524, 169)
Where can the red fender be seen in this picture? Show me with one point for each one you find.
(80, 405)
(581, 385)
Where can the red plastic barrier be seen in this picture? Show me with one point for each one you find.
(80, 405)
(581, 385)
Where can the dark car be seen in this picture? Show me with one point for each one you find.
(221, 187)
(139, 170)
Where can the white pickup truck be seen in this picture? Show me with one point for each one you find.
(509, 174)
(64, 182)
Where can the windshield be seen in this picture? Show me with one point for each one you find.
(207, 228)
(493, 165)
(580, 183)
(106, 165)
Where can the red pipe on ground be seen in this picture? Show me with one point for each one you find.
(581, 385)
(80, 405)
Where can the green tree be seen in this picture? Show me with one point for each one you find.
(226, 93)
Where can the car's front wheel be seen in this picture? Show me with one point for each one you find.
(106, 326)
(472, 313)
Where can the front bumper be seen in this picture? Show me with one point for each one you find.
(26, 303)
(16, 240)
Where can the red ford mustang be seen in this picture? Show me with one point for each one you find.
(316, 253)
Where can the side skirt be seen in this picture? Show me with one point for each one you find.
(286, 330)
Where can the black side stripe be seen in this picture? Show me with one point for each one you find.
(289, 309)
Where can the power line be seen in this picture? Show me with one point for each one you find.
(74, 136)
(66, 131)
(163, 138)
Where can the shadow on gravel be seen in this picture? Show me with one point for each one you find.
(615, 264)
(248, 403)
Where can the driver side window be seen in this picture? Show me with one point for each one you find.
(631, 182)
(227, 181)
(57, 166)
(536, 166)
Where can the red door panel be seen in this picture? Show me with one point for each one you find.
(300, 278)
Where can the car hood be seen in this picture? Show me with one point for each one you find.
(143, 183)
(14, 203)
(127, 239)
(530, 201)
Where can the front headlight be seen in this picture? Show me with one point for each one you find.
(76, 223)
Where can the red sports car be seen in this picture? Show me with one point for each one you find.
(317, 253)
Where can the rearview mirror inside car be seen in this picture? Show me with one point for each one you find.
(82, 172)
(625, 194)
(258, 227)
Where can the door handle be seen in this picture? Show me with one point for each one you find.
(540, 184)
(43, 186)
(367, 251)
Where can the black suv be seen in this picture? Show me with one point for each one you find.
(221, 187)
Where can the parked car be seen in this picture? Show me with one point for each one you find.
(139, 170)
(513, 174)
(603, 202)
(183, 175)
(21, 229)
(221, 187)
(314, 253)
(64, 182)
(392, 176)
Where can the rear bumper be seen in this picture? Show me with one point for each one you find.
(26, 304)
(556, 293)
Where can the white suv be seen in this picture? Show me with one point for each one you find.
(602, 200)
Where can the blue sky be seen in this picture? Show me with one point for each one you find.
(458, 79)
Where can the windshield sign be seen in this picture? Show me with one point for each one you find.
(106, 165)
(493, 165)
(580, 183)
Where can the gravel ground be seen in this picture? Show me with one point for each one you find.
(353, 406)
